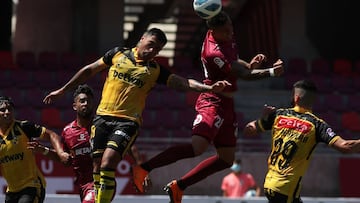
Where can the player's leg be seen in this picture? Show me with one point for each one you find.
(122, 137)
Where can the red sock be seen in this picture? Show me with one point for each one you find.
(202, 170)
(169, 156)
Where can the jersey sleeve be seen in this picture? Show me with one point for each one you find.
(266, 123)
(324, 133)
(32, 130)
(163, 76)
(107, 58)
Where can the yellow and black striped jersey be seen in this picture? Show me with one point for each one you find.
(295, 134)
(128, 83)
(17, 163)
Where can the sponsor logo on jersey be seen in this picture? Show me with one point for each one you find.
(128, 78)
(294, 124)
(219, 62)
(83, 150)
(12, 157)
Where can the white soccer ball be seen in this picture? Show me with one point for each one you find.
(207, 9)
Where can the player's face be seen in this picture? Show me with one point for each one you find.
(149, 47)
(6, 113)
(84, 105)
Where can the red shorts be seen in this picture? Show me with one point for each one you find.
(87, 193)
(216, 120)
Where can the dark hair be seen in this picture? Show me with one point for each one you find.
(307, 85)
(219, 20)
(83, 89)
(160, 35)
(5, 99)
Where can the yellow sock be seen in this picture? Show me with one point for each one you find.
(107, 186)
(96, 177)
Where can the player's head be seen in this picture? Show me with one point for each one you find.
(84, 101)
(151, 43)
(236, 167)
(6, 110)
(221, 27)
(304, 93)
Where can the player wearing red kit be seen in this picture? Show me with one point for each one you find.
(215, 122)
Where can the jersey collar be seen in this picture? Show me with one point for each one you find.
(301, 109)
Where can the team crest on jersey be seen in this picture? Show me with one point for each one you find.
(82, 137)
(294, 124)
(219, 62)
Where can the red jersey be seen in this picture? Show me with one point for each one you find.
(216, 59)
(76, 142)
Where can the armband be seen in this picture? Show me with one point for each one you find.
(46, 151)
(271, 72)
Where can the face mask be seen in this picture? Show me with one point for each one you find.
(236, 167)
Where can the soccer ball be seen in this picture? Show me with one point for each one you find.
(207, 8)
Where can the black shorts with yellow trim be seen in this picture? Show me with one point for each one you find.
(112, 132)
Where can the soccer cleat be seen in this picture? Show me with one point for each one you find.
(174, 192)
(139, 175)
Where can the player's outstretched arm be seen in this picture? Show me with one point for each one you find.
(346, 146)
(245, 73)
(80, 77)
(184, 84)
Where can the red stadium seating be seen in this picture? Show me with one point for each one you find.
(51, 117)
(297, 66)
(342, 67)
(320, 66)
(71, 61)
(351, 121)
(48, 60)
(7, 61)
(26, 60)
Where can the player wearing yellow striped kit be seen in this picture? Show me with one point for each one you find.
(295, 134)
(25, 183)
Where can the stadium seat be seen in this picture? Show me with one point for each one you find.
(149, 121)
(5, 79)
(351, 121)
(353, 102)
(322, 83)
(291, 79)
(70, 61)
(45, 79)
(320, 66)
(342, 84)
(173, 99)
(48, 60)
(28, 113)
(159, 133)
(22, 78)
(334, 102)
(26, 60)
(34, 97)
(297, 66)
(51, 117)
(166, 118)
(7, 61)
(342, 67)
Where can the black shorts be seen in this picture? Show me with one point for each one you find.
(26, 195)
(111, 132)
(275, 197)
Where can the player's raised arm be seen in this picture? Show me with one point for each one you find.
(80, 77)
(184, 84)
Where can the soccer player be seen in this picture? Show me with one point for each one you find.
(295, 134)
(25, 183)
(132, 73)
(215, 122)
(76, 142)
